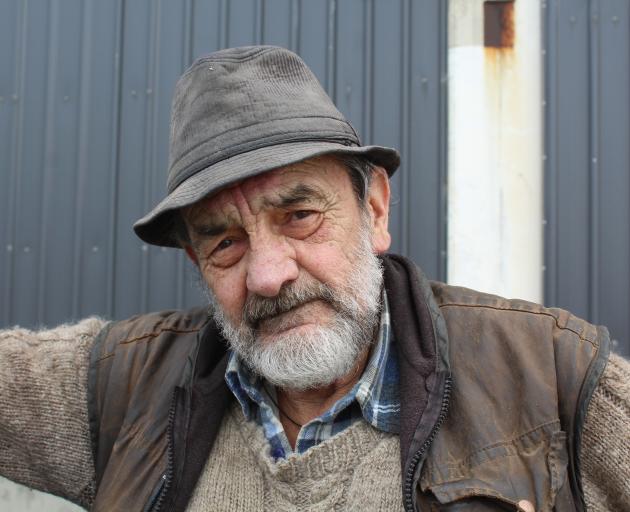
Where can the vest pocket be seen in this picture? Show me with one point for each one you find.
(523, 474)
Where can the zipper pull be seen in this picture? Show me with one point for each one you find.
(155, 495)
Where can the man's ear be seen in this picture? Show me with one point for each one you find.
(378, 207)
(192, 255)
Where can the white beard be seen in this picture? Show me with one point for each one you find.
(325, 353)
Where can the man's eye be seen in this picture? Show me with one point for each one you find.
(302, 214)
(228, 251)
(224, 244)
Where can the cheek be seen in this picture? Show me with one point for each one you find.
(329, 254)
(328, 262)
(230, 290)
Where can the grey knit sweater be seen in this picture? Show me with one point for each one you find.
(341, 473)
(45, 442)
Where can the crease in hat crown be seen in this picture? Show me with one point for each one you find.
(235, 105)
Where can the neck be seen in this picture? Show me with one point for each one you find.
(299, 407)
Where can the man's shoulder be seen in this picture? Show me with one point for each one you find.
(456, 302)
(148, 327)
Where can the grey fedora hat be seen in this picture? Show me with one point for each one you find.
(240, 112)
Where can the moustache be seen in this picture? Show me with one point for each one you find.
(258, 309)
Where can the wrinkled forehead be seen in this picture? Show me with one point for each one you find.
(318, 177)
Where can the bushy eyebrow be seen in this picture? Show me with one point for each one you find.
(211, 229)
(299, 194)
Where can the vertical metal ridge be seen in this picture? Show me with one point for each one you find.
(442, 91)
(550, 164)
(295, 8)
(331, 43)
(405, 35)
(368, 74)
(149, 141)
(224, 18)
(188, 17)
(187, 59)
(85, 43)
(16, 158)
(115, 159)
(153, 84)
(627, 317)
(594, 123)
(51, 75)
(259, 21)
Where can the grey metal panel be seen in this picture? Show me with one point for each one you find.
(587, 184)
(351, 72)
(425, 150)
(88, 138)
(10, 52)
(280, 24)
(388, 123)
(614, 179)
(58, 63)
(132, 198)
(172, 56)
(59, 166)
(33, 110)
(316, 38)
(570, 170)
(94, 243)
(243, 22)
(206, 26)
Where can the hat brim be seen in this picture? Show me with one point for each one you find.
(157, 227)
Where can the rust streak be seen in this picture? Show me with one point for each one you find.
(498, 24)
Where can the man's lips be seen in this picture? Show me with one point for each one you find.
(297, 316)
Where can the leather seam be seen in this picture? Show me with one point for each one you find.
(515, 310)
(157, 333)
(148, 335)
(514, 439)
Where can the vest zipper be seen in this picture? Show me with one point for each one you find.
(157, 499)
(155, 494)
(411, 469)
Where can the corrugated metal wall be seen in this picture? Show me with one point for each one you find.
(588, 161)
(85, 89)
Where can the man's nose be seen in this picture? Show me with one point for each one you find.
(271, 264)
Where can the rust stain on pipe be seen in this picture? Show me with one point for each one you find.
(498, 24)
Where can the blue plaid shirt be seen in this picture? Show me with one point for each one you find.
(375, 397)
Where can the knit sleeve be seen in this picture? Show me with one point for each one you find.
(44, 433)
(605, 449)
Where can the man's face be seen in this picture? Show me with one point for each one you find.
(288, 257)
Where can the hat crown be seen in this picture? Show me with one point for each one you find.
(241, 99)
(238, 113)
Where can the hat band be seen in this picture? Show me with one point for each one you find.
(249, 138)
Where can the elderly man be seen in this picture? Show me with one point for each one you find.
(327, 375)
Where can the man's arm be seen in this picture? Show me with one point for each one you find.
(44, 432)
(605, 450)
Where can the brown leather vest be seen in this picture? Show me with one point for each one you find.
(493, 398)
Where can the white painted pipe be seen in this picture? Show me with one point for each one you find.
(495, 192)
